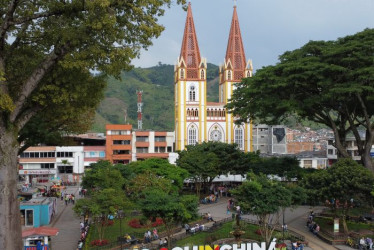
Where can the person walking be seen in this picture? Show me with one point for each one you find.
(66, 199)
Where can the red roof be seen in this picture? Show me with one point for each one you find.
(235, 49)
(190, 48)
(44, 231)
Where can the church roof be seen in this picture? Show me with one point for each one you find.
(235, 49)
(190, 52)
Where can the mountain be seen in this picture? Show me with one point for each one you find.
(157, 83)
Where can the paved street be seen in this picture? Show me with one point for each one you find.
(68, 224)
(295, 219)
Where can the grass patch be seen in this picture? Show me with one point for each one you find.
(202, 238)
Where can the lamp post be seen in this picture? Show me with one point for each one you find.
(120, 216)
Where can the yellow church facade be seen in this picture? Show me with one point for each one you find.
(197, 120)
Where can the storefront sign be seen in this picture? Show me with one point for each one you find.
(244, 246)
(26, 172)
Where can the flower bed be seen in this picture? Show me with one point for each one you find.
(136, 223)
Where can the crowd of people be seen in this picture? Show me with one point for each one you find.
(297, 245)
(149, 236)
(312, 225)
(68, 198)
(365, 243)
(84, 231)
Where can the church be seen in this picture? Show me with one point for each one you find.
(197, 120)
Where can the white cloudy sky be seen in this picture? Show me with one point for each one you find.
(269, 27)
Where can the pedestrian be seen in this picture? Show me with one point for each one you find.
(73, 199)
(62, 195)
(80, 245)
(369, 242)
(362, 244)
(81, 225)
(155, 234)
(149, 236)
(80, 191)
(228, 209)
(66, 199)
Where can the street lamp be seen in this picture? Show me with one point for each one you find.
(120, 215)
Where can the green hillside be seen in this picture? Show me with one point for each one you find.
(157, 83)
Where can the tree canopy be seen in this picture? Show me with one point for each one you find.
(172, 208)
(208, 160)
(43, 45)
(329, 82)
(263, 198)
(339, 185)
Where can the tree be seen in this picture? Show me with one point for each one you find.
(330, 83)
(156, 167)
(41, 43)
(208, 160)
(287, 167)
(171, 208)
(100, 206)
(102, 176)
(263, 198)
(344, 181)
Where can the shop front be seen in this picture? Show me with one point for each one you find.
(38, 175)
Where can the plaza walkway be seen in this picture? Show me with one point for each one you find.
(68, 223)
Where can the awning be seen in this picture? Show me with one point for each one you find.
(40, 231)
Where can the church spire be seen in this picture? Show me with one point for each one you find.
(190, 53)
(235, 50)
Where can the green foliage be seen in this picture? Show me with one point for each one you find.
(344, 181)
(325, 82)
(259, 195)
(161, 168)
(263, 198)
(103, 176)
(282, 166)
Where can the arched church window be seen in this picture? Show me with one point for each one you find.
(188, 112)
(229, 75)
(196, 113)
(202, 74)
(239, 138)
(192, 132)
(248, 73)
(192, 94)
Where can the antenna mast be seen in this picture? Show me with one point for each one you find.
(140, 106)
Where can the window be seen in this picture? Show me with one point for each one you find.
(330, 151)
(121, 142)
(65, 169)
(121, 152)
(192, 94)
(142, 138)
(120, 132)
(182, 74)
(307, 163)
(141, 150)
(27, 217)
(192, 136)
(170, 149)
(47, 165)
(239, 138)
(162, 149)
(64, 154)
(202, 74)
(160, 138)
(101, 154)
(229, 75)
